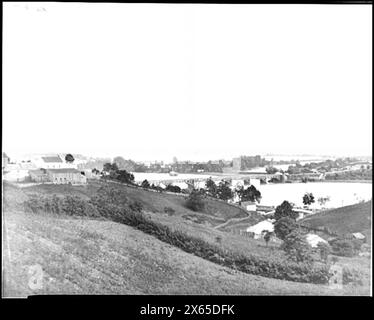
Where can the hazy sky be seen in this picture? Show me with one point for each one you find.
(195, 81)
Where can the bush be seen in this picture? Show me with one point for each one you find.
(195, 201)
(284, 226)
(170, 211)
(324, 250)
(297, 248)
(68, 205)
(343, 247)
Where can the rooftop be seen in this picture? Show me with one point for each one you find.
(52, 159)
(64, 170)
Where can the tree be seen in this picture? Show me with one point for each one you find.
(224, 191)
(267, 236)
(249, 194)
(297, 248)
(124, 176)
(324, 250)
(285, 210)
(284, 226)
(308, 198)
(109, 167)
(95, 171)
(322, 200)
(211, 187)
(145, 184)
(69, 158)
(271, 170)
(120, 161)
(195, 201)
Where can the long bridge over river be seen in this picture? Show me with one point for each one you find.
(193, 181)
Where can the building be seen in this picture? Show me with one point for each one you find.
(314, 240)
(39, 175)
(259, 228)
(249, 205)
(58, 176)
(358, 235)
(54, 162)
(66, 176)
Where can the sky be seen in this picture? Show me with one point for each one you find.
(198, 82)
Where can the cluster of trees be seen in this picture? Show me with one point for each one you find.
(364, 174)
(287, 229)
(113, 172)
(308, 198)
(223, 191)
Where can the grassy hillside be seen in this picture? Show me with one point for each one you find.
(215, 213)
(81, 256)
(107, 257)
(354, 218)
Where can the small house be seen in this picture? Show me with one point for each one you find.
(358, 235)
(66, 176)
(259, 228)
(314, 240)
(249, 205)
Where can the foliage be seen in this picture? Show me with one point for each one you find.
(249, 194)
(195, 201)
(69, 158)
(267, 236)
(284, 226)
(271, 170)
(308, 198)
(296, 247)
(324, 250)
(171, 188)
(170, 211)
(224, 191)
(211, 187)
(285, 210)
(125, 177)
(343, 247)
(145, 184)
(68, 205)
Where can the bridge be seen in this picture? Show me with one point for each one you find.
(193, 182)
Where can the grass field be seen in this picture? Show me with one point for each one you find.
(79, 255)
(349, 219)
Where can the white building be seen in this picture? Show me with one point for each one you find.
(314, 240)
(259, 228)
(54, 162)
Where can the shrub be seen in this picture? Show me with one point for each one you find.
(297, 248)
(343, 247)
(284, 226)
(170, 211)
(195, 201)
(324, 250)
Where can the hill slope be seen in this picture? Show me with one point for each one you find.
(354, 218)
(80, 256)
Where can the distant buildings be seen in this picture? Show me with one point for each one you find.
(58, 176)
(248, 162)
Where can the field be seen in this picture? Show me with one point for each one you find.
(349, 219)
(82, 255)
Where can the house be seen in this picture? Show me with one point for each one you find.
(39, 175)
(54, 162)
(314, 240)
(66, 176)
(358, 235)
(259, 228)
(249, 205)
